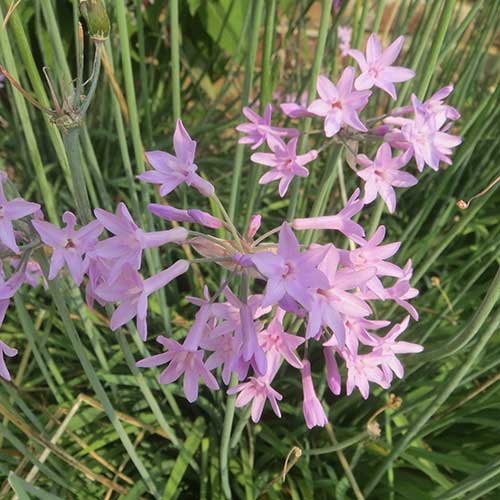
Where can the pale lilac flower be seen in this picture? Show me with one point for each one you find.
(376, 69)
(423, 137)
(275, 338)
(7, 290)
(226, 349)
(191, 215)
(400, 292)
(361, 370)
(10, 352)
(344, 34)
(284, 162)
(387, 347)
(170, 171)
(340, 222)
(290, 272)
(69, 246)
(129, 240)
(181, 361)
(293, 109)
(339, 104)
(260, 129)
(434, 106)
(371, 254)
(33, 273)
(330, 303)
(253, 226)
(333, 378)
(132, 291)
(240, 318)
(258, 390)
(383, 174)
(10, 211)
(312, 408)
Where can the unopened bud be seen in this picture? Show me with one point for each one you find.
(94, 12)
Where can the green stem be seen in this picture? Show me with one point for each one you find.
(92, 377)
(437, 43)
(470, 330)
(258, 7)
(362, 436)
(265, 94)
(376, 216)
(96, 69)
(226, 437)
(320, 49)
(72, 146)
(174, 57)
(446, 390)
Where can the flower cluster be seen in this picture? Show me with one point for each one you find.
(282, 303)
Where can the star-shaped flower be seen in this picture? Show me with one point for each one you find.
(376, 69)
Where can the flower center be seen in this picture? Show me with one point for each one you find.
(70, 243)
(288, 269)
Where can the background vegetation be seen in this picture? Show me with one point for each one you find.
(105, 430)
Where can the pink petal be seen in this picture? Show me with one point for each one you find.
(184, 146)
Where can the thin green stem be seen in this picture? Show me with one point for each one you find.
(72, 146)
(443, 394)
(437, 43)
(226, 437)
(326, 6)
(362, 436)
(174, 58)
(265, 94)
(258, 7)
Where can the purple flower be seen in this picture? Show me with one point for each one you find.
(170, 171)
(284, 162)
(7, 290)
(259, 129)
(400, 292)
(361, 370)
(340, 222)
(371, 254)
(314, 414)
(132, 291)
(10, 352)
(344, 34)
(376, 69)
(69, 245)
(253, 226)
(33, 273)
(383, 174)
(387, 347)
(293, 109)
(434, 106)
(329, 303)
(181, 361)
(258, 390)
(339, 104)
(290, 272)
(191, 215)
(424, 137)
(275, 338)
(129, 240)
(332, 371)
(10, 211)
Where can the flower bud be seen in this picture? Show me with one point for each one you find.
(94, 11)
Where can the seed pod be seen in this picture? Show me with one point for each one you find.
(94, 12)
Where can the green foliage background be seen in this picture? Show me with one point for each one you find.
(125, 436)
